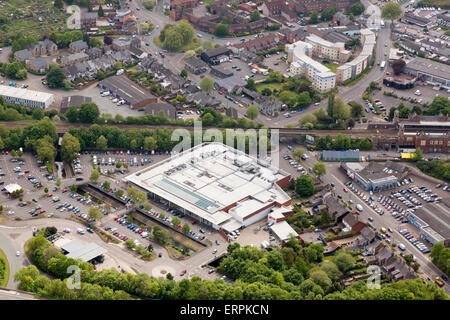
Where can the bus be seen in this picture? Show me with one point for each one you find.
(382, 64)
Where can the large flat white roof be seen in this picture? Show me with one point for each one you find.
(25, 94)
(210, 177)
(283, 230)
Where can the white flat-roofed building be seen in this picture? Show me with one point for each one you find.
(328, 50)
(25, 97)
(216, 184)
(283, 231)
(299, 55)
(352, 68)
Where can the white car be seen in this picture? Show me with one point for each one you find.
(17, 253)
(66, 230)
(115, 100)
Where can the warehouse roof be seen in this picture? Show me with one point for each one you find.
(437, 216)
(76, 101)
(427, 66)
(80, 250)
(25, 94)
(127, 89)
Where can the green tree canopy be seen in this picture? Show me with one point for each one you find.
(391, 11)
(206, 84)
(252, 112)
(55, 77)
(70, 146)
(304, 186)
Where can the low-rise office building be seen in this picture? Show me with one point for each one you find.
(429, 71)
(25, 97)
(373, 177)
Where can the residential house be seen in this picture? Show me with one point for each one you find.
(94, 53)
(39, 65)
(44, 48)
(291, 36)
(78, 46)
(336, 208)
(138, 53)
(249, 57)
(23, 55)
(280, 9)
(125, 22)
(195, 65)
(88, 20)
(261, 43)
(73, 58)
(155, 108)
(393, 265)
(266, 105)
(202, 99)
(183, 4)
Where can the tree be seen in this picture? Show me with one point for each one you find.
(95, 174)
(129, 243)
(319, 169)
(13, 153)
(58, 4)
(338, 109)
(331, 270)
(206, 84)
(102, 143)
(356, 109)
(100, 75)
(55, 77)
(161, 236)
(356, 9)
(186, 228)
(72, 114)
(398, 66)
(344, 261)
(95, 213)
(304, 186)
(58, 182)
(150, 143)
(298, 153)
(418, 156)
(221, 30)
(70, 146)
(391, 11)
(255, 16)
(265, 91)
(136, 195)
(308, 120)
(207, 44)
(106, 185)
(38, 114)
(320, 278)
(183, 73)
(252, 112)
(89, 112)
(45, 149)
(100, 11)
(304, 99)
(251, 84)
(45, 190)
(314, 18)
(439, 105)
(175, 221)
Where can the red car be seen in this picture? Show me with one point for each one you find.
(357, 212)
(193, 222)
(183, 51)
(6, 152)
(27, 171)
(220, 92)
(42, 211)
(180, 227)
(117, 151)
(116, 218)
(50, 195)
(388, 235)
(345, 190)
(65, 190)
(140, 231)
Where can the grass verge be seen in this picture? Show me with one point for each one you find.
(4, 269)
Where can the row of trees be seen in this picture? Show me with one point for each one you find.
(341, 142)
(293, 272)
(440, 256)
(14, 70)
(439, 169)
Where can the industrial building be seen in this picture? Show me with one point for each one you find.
(216, 55)
(132, 93)
(76, 101)
(27, 98)
(433, 222)
(217, 185)
(429, 71)
(337, 155)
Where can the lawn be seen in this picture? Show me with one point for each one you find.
(4, 274)
(333, 67)
(271, 86)
(26, 18)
